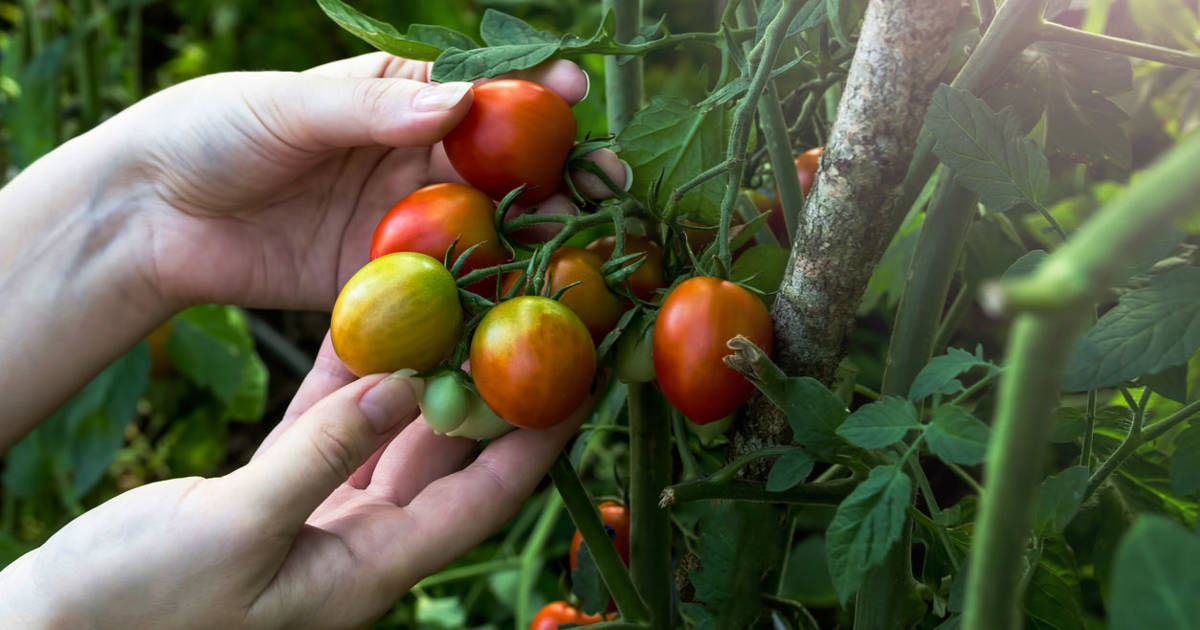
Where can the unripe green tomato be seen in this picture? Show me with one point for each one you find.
(711, 432)
(481, 422)
(635, 352)
(447, 400)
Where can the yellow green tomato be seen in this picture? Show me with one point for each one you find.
(451, 407)
(635, 357)
(399, 311)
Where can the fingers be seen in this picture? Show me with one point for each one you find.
(327, 443)
(591, 186)
(459, 511)
(415, 459)
(311, 113)
(564, 77)
(328, 374)
(375, 65)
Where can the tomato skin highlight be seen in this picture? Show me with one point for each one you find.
(616, 521)
(598, 308)
(429, 220)
(399, 311)
(695, 322)
(556, 614)
(516, 132)
(533, 361)
(649, 277)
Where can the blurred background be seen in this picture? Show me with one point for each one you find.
(198, 396)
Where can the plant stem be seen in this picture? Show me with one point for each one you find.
(1085, 457)
(1057, 299)
(914, 466)
(1053, 32)
(965, 476)
(623, 74)
(935, 259)
(828, 493)
(987, 11)
(731, 469)
(650, 525)
(469, 571)
(587, 520)
(739, 137)
(530, 557)
(958, 309)
(1134, 440)
(690, 471)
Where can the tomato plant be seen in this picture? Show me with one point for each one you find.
(647, 278)
(399, 311)
(516, 133)
(432, 219)
(616, 522)
(533, 361)
(597, 307)
(696, 320)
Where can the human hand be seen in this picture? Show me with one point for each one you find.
(349, 503)
(263, 189)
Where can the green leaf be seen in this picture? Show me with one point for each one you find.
(865, 526)
(587, 584)
(956, 436)
(1081, 122)
(212, 347)
(441, 612)
(1058, 499)
(1025, 264)
(738, 541)
(1155, 580)
(250, 399)
(501, 29)
(1148, 331)
(880, 424)
(987, 150)
(456, 64)
(676, 141)
(813, 412)
(1185, 462)
(940, 375)
(422, 42)
(807, 578)
(789, 470)
(197, 443)
(1054, 599)
(761, 267)
(1170, 383)
(811, 15)
(887, 282)
(992, 248)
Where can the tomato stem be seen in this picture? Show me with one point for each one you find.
(824, 493)
(650, 525)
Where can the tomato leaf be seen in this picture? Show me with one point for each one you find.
(501, 29)
(456, 64)
(1081, 122)
(1149, 330)
(1054, 599)
(987, 150)
(422, 42)
(761, 267)
(880, 424)
(1185, 462)
(940, 375)
(445, 613)
(1025, 265)
(865, 526)
(956, 436)
(789, 470)
(1154, 578)
(672, 139)
(1058, 499)
(587, 584)
(738, 541)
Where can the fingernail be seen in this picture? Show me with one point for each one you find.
(587, 88)
(440, 96)
(628, 175)
(391, 401)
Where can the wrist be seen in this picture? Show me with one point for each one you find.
(21, 603)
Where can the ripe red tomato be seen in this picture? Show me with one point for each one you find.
(398, 311)
(533, 361)
(695, 322)
(649, 277)
(556, 614)
(598, 308)
(430, 219)
(806, 168)
(616, 522)
(516, 132)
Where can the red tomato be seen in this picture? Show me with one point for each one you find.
(695, 322)
(806, 168)
(532, 361)
(516, 132)
(430, 219)
(649, 277)
(598, 308)
(616, 522)
(554, 614)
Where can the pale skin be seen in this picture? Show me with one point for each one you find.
(260, 189)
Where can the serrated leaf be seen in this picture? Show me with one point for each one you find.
(1054, 599)
(1185, 462)
(675, 140)
(501, 29)
(940, 375)
(789, 471)
(987, 150)
(422, 42)
(587, 584)
(811, 15)
(1025, 264)
(455, 64)
(737, 87)
(1058, 498)
(880, 424)
(738, 541)
(1149, 330)
(956, 436)
(211, 346)
(1155, 580)
(1081, 122)
(865, 526)
(813, 412)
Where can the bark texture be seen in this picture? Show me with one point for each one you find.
(853, 212)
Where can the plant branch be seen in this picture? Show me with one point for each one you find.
(827, 493)
(1053, 32)
(623, 73)
(650, 525)
(1136, 438)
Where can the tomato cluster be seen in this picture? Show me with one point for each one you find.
(532, 357)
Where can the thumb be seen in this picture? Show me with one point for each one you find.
(312, 112)
(326, 444)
